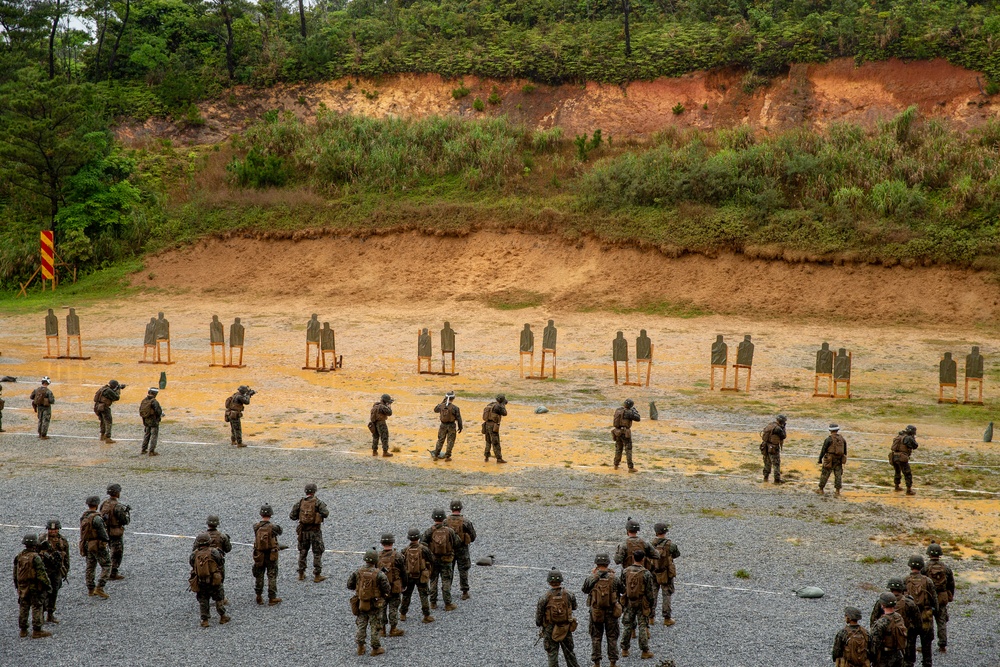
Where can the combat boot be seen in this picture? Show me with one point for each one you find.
(260, 599)
(302, 576)
(669, 621)
(204, 622)
(273, 601)
(224, 619)
(361, 649)
(378, 651)
(447, 458)
(465, 595)
(486, 459)
(624, 652)
(779, 481)
(646, 655)
(450, 607)
(897, 488)
(39, 634)
(820, 491)
(395, 632)
(115, 576)
(501, 461)
(99, 592)
(109, 441)
(51, 618)
(434, 605)
(836, 493)
(428, 619)
(318, 578)
(387, 454)
(633, 470)
(23, 633)
(374, 453)
(910, 492)
(402, 617)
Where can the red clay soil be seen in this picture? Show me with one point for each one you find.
(411, 269)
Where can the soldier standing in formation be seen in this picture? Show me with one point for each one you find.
(371, 588)
(1, 408)
(265, 556)
(220, 541)
(151, 414)
(625, 551)
(772, 438)
(622, 432)
(850, 646)
(32, 584)
(832, 457)
(554, 616)
(116, 516)
(391, 562)
(908, 612)
(234, 413)
(443, 543)
(604, 591)
(640, 603)
(418, 562)
(41, 402)
(663, 570)
(54, 549)
(888, 635)
(492, 414)
(94, 547)
(105, 396)
(207, 565)
(381, 411)
(466, 535)
(944, 585)
(899, 456)
(451, 425)
(310, 513)
(921, 588)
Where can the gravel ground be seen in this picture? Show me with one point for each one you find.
(530, 519)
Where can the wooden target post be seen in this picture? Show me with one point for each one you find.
(649, 366)
(48, 347)
(954, 392)
(828, 378)
(79, 348)
(222, 351)
(315, 364)
(736, 378)
(844, 382)
(531, 364)
(978, 382)
(711, 381)
(159, 351)
(336, 362)
(232, 357)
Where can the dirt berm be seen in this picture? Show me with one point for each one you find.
(531, 269)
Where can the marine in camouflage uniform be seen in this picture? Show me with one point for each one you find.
(32, 584)
(391, 562)
(220, 541)
(94, 547)
(371, 618)
(205, 592)
(443, 562)
(899, 456)
(467, 535)
(266, 563)
(1, 408)
(234, 414)
(663, 571)
(417, 581)
(908, 611)
(115, 515)
(625, 552)
(54, 550)
(928, 608)
(944, 584)
(151, 422)
(637, 612)
(556, 636)
(451, 425)
(772, 438)
(851, 617)
(496, 410)
(622, 432)
(883, 648)
(603, 622)
(380, 412)
(41, 402)
(106, 395)
(832, 457)
(310, 533)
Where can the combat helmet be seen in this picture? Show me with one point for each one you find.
(203, 540)
(456, 505)
(53, 524)
(911, 429)
(29, 540)
(114, 489)
(93, 501)
(896, 584)
(438, 514)
(628, 403)
(554, 576)
(243, 389)
(386, 398)
(413, 533)
(501, 399)
(265, 510)
(916, 561)
(781, 419)
(602, 559)
(934, 550)
(631, 526)
(853, 613)
(113, 384)
(660, 528)
(311, 488)
(887, 600)
(388, 538)
(212, 521)
(371, 557)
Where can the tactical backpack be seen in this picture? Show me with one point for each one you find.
(895, 638)
(146, 409)
(632, 544)
(206, 568)
(448, 414)
(856, 648)
(457, 524)
(938, 573)
(367, 588)
(99, 396)
(375, 414)
(2, 404)
(110, 513)
(916, 588)
(441, 544)
(604, 599)
(41, 399)
(265, 545)
(899, 453)
(618, 421)
(387, 562)
(308, 516)
(768, 440)
(664, 568)
(26, 572)
(415, 563)
(837, 445)
(88, 533)
(635, 584)
(559, 613)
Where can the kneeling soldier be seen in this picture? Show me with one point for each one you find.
(371, 588)
(554, 615)
(206, 578)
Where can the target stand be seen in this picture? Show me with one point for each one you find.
(954, 392)
(828, 378)
(444, 365)
(232, 355)
(315, 365)
(711, 381)
(222, 351)
(79, 349)
(541, 371)
(338, 362)
(157, 353)
(48, 347)
(979, 385)
(736, 378)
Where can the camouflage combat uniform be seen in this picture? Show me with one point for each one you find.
(150, 423)
(664, 572)
(463, 561)
(2, 404)
(451, 425)
(380, 429)
(234, 411)
(884, 649)
(310, 534)
(832, 457)
(772, 438)
(115, 519)
(220, 541)
(928, 609)
(543, 620)
(622, 434)
(944, 584)
(902, 447)
(840, 645)
(54, 550)
(907, 610)
(94, 547)
(266, 563)
(603, 622)
(41, 402)
(624, 552)
(391, 562)
(443, 562)
(207, 591)
(32, 589)
(371, 618)
(637, 611)
(491, 430)
(102, 408)
(417, 580)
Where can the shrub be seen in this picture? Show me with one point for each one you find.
(678, 109)
(460, 92)
(258, 170)
(494, 97)
(478, 105)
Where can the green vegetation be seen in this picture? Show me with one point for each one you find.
(741, 574)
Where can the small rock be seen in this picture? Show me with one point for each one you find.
(485, 561)
(541, 410)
